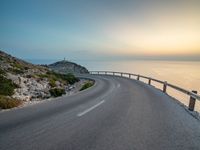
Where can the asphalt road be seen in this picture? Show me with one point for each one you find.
(115, 114)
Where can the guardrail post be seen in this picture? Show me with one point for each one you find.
(165, 87)
(129, 75)
(113, 73)
(192, 102)
(121, 74)
(105, 72)
(98, 72)
(138, 77)
(149, 81)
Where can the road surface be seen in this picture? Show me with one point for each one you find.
(115, 114)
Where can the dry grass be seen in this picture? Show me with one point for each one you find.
(7, 102)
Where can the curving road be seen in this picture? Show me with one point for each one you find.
(115, 114)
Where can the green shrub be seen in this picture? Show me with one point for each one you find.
(6, 102)
(64, 78)
(29, 76)
(26, 68)
(70, 78)
(17, 65)
(43, 75)
(52, 83)
(86, 85)
(6, 86)
(57, 92)
(16, 71)
(2, 72)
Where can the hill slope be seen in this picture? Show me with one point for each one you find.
(25, 81)
(67, 67)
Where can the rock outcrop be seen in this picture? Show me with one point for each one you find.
(67, 67)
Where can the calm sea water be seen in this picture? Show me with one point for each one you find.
(185, 74)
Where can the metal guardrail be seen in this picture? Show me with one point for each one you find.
(193, 94)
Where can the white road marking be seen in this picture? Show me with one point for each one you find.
(90, 109)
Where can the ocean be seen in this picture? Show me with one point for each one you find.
(185, 74)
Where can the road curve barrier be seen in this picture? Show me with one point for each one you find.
(193, 94)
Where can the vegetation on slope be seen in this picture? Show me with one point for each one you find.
(7, 89)
(7, 102)
(34, 81)
(7, 86)
(64, 78)
(87, 85)
(2, 72)
(57, 92)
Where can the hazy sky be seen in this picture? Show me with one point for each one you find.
(100, 29)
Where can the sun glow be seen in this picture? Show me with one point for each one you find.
(164, 34)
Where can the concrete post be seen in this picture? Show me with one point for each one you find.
(138, 77)
(192, 102)
(149, 81)
(165, 87)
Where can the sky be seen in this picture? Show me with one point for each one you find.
(101, 29)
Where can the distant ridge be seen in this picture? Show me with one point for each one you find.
(67, 67)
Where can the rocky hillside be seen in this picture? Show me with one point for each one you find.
(67, 67)
(24, 81)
